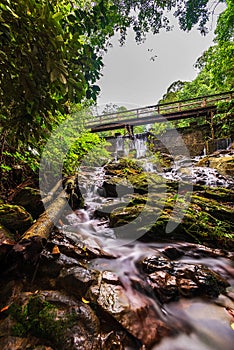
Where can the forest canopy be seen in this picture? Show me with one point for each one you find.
(51, 56)
(51, 51)
(215, 66)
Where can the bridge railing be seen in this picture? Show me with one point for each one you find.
(162, 109)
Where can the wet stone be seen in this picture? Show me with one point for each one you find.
(75, 244)
(171, 280)
(51, 265)
(54, 319)
(173, 253)
(15, 218)
(164, 286)
(76, 280)
(114, 341)
(134, 311)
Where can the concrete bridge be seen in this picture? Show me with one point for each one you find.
(204, 106)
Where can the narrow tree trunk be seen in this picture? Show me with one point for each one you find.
(212, 125)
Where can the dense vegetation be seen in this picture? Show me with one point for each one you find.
(51, 55)
(215, 69)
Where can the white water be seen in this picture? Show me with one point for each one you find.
(209, 323)
(202, 324)
(181, 169)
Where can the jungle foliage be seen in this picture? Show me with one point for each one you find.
(215, 72)
(51, 55)
(215, 66)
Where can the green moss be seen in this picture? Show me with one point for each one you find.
(222, 195)
(208, 220)
(15, 218)
(40, 319)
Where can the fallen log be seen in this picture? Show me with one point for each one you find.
(34, 239)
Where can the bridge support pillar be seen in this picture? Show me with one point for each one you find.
(129, 130)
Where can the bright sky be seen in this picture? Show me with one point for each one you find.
(132, 79)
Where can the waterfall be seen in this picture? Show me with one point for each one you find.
(124, 145)
(204, 151)
(119, 146)
(229, 142)
(120, 143)
(140, 147)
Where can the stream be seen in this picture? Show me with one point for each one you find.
(141, 259)
(164, 312)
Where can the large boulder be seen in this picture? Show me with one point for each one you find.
(205, 220)
(51, 318)
(223, 162)
(171, 279)
(134, 311)
(202, 216)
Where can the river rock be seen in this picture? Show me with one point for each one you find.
(205, 220)
(134, 311)
(76, 280)
(107, 190)
(15, 218)
(223, 163)
(123, 167)
(51, 318)
(171, 280)
(30, 199)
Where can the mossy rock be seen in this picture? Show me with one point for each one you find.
(205, 220)
(30, 199)
(59, 322)
(7, 240)
(15, 218)
(208, 220)
(219, 194)
(143, 183)
(122, 167)
(224, 165)
(214, 208)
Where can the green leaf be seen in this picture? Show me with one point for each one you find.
(58, 16)
(62, 79)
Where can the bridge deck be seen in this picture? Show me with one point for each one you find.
(193, 108)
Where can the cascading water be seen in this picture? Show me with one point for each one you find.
(196, 323)
(141, 147)
(199, 324)
(179, 170)
(138, 143)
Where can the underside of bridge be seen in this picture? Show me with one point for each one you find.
(128, 124)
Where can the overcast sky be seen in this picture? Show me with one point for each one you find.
(132, 79)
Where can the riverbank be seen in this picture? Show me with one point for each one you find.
(78, 289)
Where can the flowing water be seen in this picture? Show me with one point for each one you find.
(204, 324)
